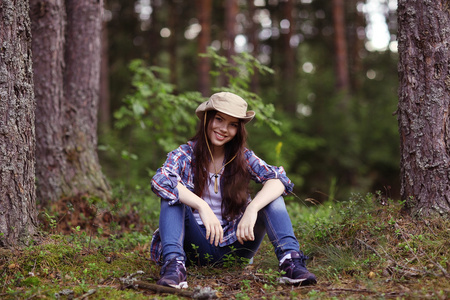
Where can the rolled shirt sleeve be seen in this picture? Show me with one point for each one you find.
(260, 171)
(176, 168)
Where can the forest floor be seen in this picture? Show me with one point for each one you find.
(364, 248)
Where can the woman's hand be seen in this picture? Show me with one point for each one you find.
(214, 230)
(246, 225)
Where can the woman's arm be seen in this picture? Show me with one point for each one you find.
(214, 231)
(271, 190)
(261, 172)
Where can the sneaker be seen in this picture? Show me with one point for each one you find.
(294, 270)
(173, 274)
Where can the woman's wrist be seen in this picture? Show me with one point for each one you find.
(202, 206)
(252, 207)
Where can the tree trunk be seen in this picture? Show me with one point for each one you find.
(172, 47)
(340, 45)
(231, 11)
(83, 173)
(104, 112)
(66, 41)
(204, 39)
(288, 53)
(253, 40)
(356, 46)
(423, 109)
(17, 139)
(287, 64)
(48, 23)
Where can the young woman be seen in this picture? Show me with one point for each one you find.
(206, 212)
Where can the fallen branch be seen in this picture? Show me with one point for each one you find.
(161, 289)
(198, 293)
(352, 290)
(84, 296)
(370, 247)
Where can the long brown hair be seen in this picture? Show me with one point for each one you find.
(234, 183)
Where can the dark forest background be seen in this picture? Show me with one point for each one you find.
(334, 94)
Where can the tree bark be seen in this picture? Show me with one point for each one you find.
(81, 92)
(253, 40)
(104, 113)
(172, 45)
(355, 65)
(288, 53)
(340, 45)
(231, 11)
(423, 109)
(66, 41)
(17, 137)
(48, 24)
(204, 8)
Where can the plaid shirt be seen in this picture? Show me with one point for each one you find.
(178, 168)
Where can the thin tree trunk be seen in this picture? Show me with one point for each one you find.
(204, 8)
(17, 139)
(173, 25)
(340, 44)
(253, 40)
(287, 57)
(231, 11)
(288, 54)
(356, 46)
(424, 101)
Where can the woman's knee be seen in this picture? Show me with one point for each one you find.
(277, 204)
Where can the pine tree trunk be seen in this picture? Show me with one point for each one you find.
(231, 11)
(288, 53)
(172, 44)
(81, 94)
(48, 24)
(204, 8)
(17, 139)
(66, 42)
(340, 45)
(424, 101)
(104, 113)
(287, 57)
(253, 41)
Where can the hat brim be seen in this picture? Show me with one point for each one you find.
(203, 107)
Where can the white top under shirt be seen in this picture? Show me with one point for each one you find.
(214, 200)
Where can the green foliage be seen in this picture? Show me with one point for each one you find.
(364, 244)
(153, 106)
(238, 73)
(369, 237)
(155, 118)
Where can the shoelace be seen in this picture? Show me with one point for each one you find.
(172, 266)
(299, 261)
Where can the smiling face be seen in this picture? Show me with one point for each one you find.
(222, 129)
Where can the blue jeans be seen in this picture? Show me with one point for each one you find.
(179, 230)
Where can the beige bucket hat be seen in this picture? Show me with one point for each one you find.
(227, 103)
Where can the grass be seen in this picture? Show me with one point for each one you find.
(364, 248)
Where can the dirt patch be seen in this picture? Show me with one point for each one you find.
(71, 212)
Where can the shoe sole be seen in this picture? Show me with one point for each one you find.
(181, 285)
(290, 280)
(303, 281)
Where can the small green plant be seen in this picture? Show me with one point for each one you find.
(197, 255)
(208, 258)
(271, 276)
(229, 260)
(51, 221)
